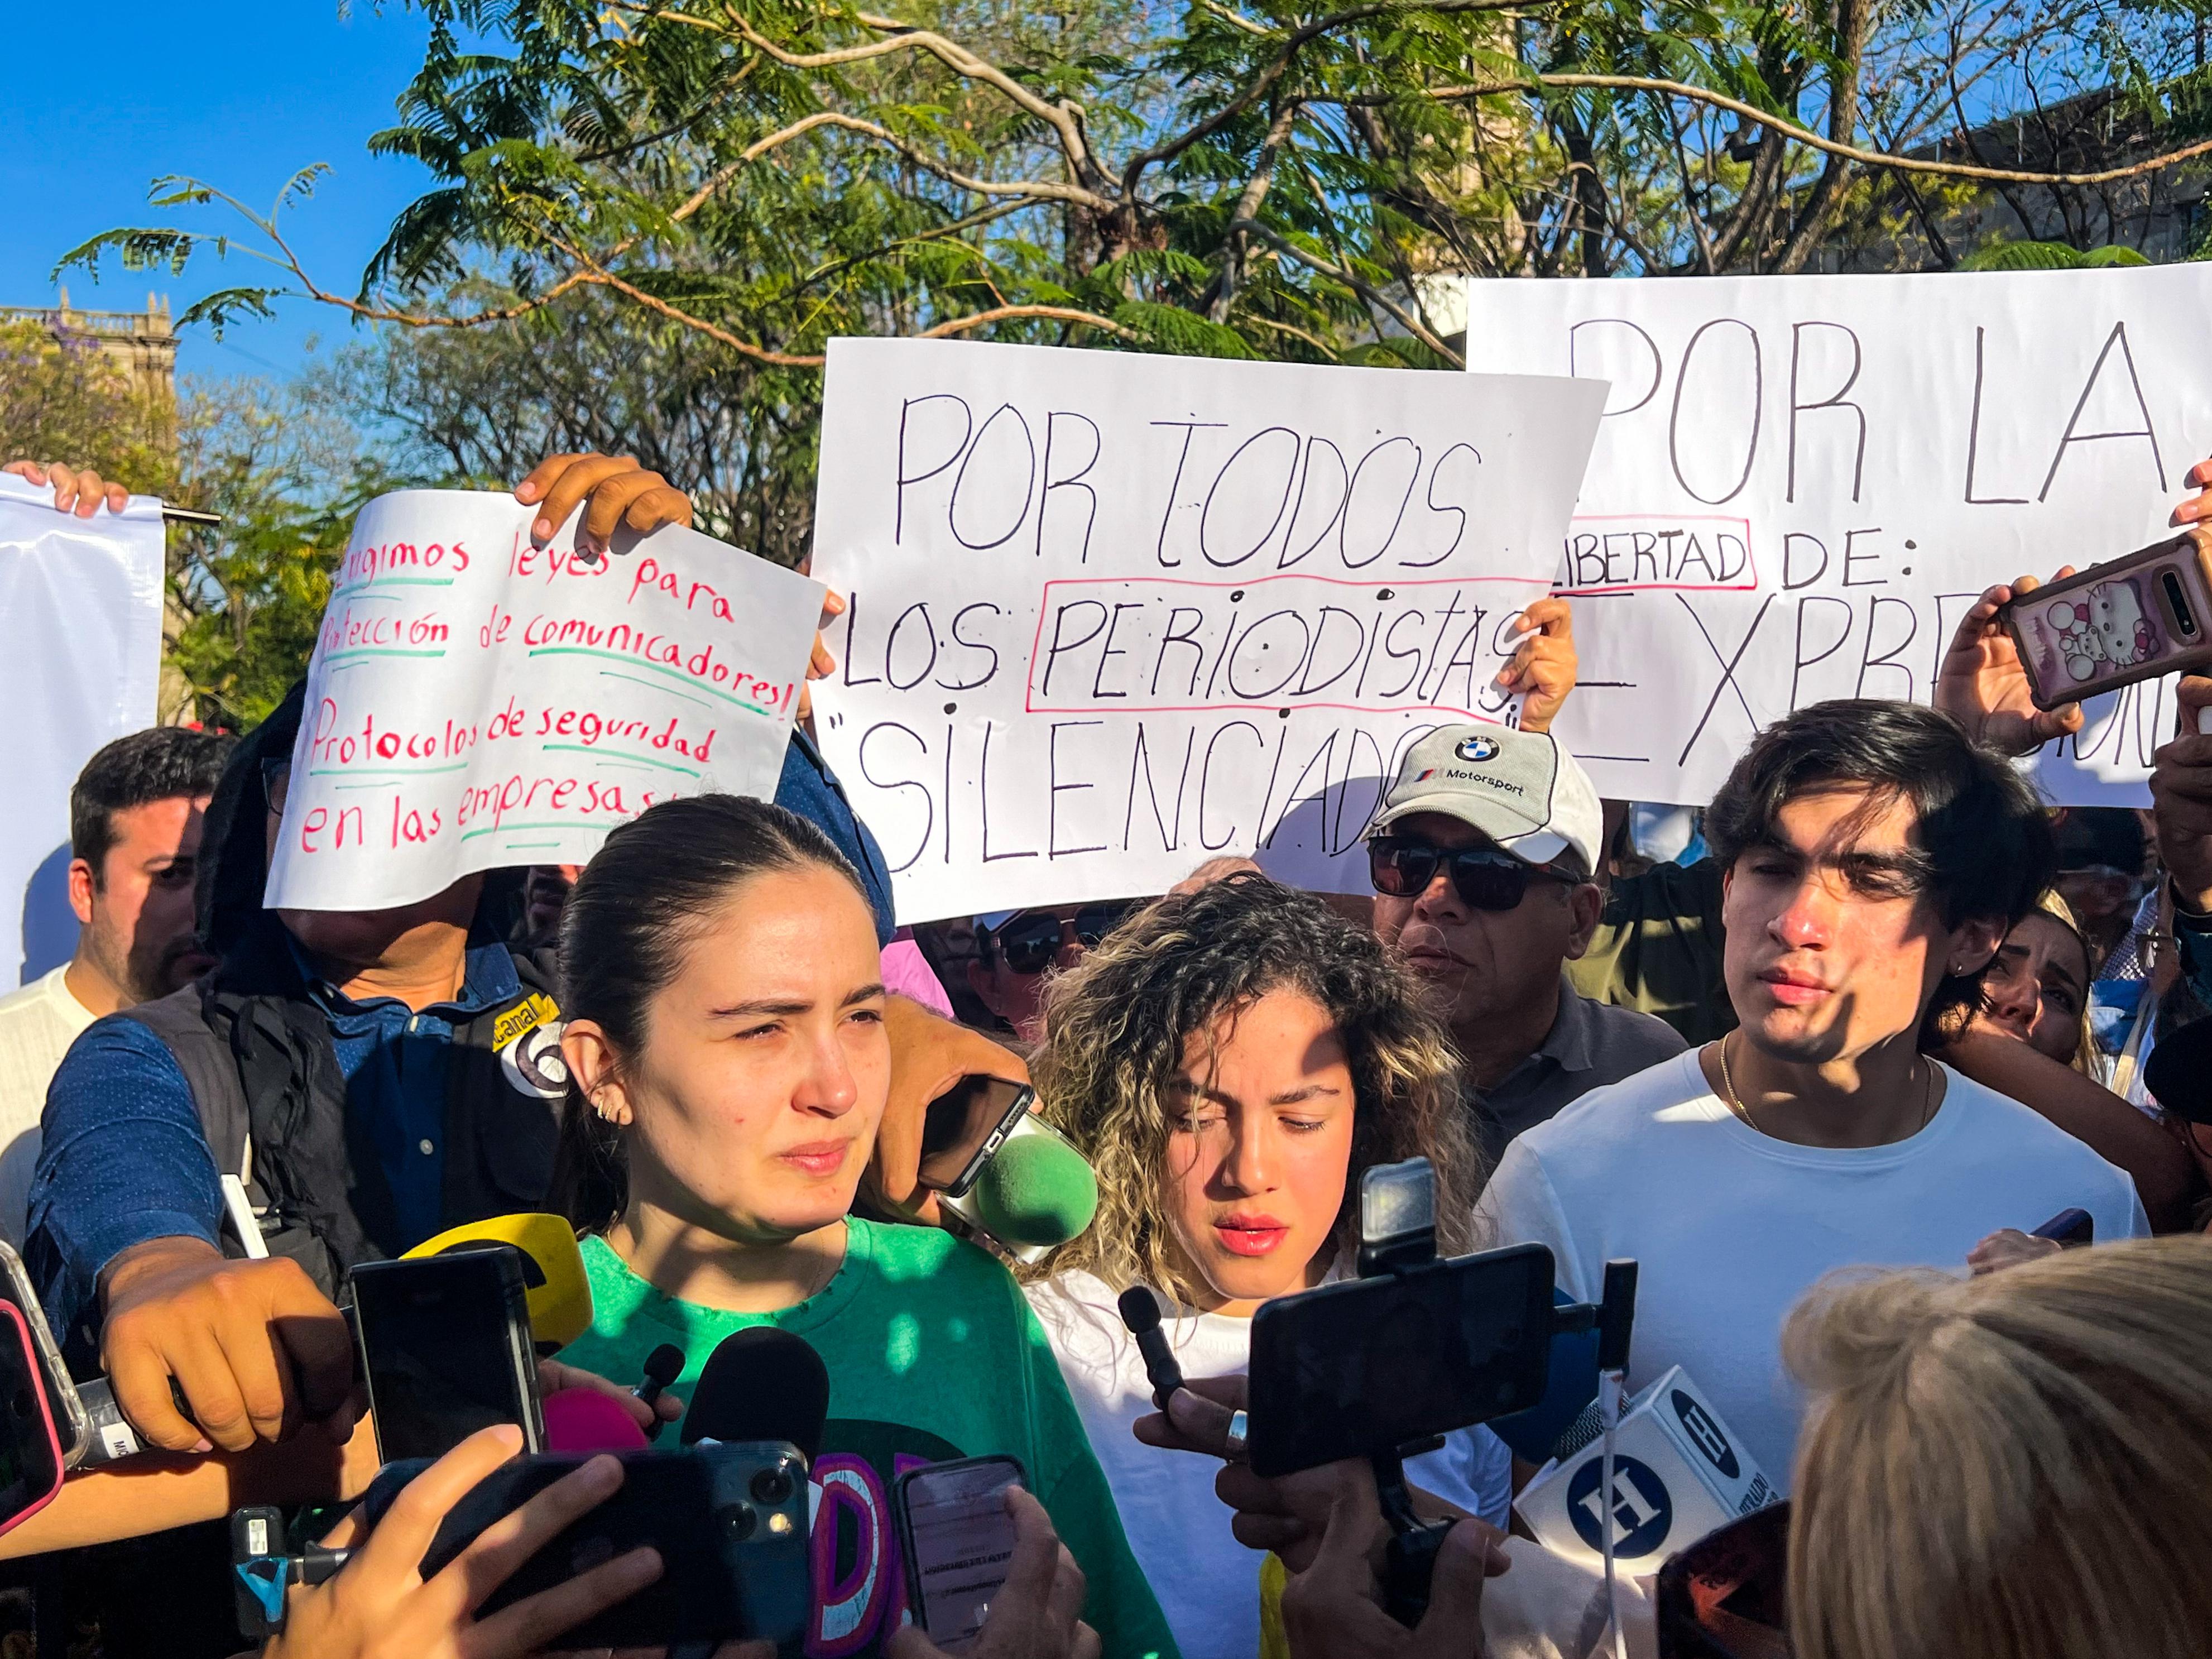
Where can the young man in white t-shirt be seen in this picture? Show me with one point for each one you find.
(1875, 859)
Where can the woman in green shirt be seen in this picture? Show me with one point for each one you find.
(724, 1003)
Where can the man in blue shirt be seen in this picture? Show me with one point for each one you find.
(369, 1078)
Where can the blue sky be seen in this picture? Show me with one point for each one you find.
(240, 93)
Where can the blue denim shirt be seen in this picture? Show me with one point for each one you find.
(123, 1159)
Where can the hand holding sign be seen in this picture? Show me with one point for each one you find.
(78, 490)
(479, 698)
(615, 492)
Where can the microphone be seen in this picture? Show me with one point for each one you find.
(1037, 1192)
(559, 1291)
(586, 1420)
(1140, 1312)
(662, 1366)
(760, 1383)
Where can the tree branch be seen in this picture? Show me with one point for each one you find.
(1038, 191)
(1004, 313)
(1790, 130)
(1264, 82)
(1367, 291)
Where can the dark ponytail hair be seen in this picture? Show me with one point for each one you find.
(629, 923)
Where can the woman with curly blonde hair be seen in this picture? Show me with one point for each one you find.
(2015, 1467)
(1232, 1061)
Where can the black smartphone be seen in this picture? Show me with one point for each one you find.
(959, 1543)
(31, 1466)
(1726, 1596)
(446, 1347)
(1361, 1367)
(729, 1518)
(964, 1127)
(2069, 1227)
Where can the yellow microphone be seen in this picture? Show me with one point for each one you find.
(560, 1294)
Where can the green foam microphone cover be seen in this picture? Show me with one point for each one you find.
(1035, 1191)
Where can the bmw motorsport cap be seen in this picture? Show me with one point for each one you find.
(1519, 788)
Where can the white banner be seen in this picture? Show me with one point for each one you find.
(1802, 482)
(1113, 614)
(475, 702)
(81, 635)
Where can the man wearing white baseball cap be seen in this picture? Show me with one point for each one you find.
(1481, 856)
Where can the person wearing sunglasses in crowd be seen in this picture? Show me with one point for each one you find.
(1014, 948)
(1481, 856)
(1231, 1061)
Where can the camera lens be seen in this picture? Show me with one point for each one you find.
(739, 1521)
(774, 1487)
(2184, 618)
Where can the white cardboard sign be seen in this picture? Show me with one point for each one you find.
(1113, 614)
(81, 633)
(1802, 482)
(475, 702)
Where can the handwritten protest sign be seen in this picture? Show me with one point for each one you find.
(1802, 482)
(81, 633)
(474, 700)
(1113, 614)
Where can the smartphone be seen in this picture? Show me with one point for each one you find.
(959, 1543)
(1367, 1365)
(2129, 619)
(72, 1428)
(962, 1205)
(31, 1466)
(446, 1347)
(729, 1518)
(964, 1126)
(1725, 1596)
(2069, 1227)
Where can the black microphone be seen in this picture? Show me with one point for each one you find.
(760, 1383)
(1140, 1312)
(662, 1366)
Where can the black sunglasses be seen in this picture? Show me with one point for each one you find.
(1485, 877)
(1029, 941)
(276, 780)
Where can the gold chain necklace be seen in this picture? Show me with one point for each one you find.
(1736, 1101)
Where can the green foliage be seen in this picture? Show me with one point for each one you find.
(246, 595)
(65, 401)
(2048, 256)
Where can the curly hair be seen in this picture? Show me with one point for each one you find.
(1115, 1025)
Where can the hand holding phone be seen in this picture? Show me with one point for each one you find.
(379, 1607)
(959, 1537)
(1981, 683)
(1037, 1612)
(2130, 619)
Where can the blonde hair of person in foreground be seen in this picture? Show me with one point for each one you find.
(2014, 1467)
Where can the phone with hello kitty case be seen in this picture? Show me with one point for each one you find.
(2129, 619)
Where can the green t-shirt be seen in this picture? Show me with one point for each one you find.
(933, 1353)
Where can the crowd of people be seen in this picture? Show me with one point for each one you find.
(1822, 1082)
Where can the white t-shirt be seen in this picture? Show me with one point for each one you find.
(1730, 1227)
(37, 1025)
(1208, 1584)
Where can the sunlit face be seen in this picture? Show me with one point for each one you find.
(2038, 986)
(1830, 952)
(754, 1105)
(1261, 1145)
